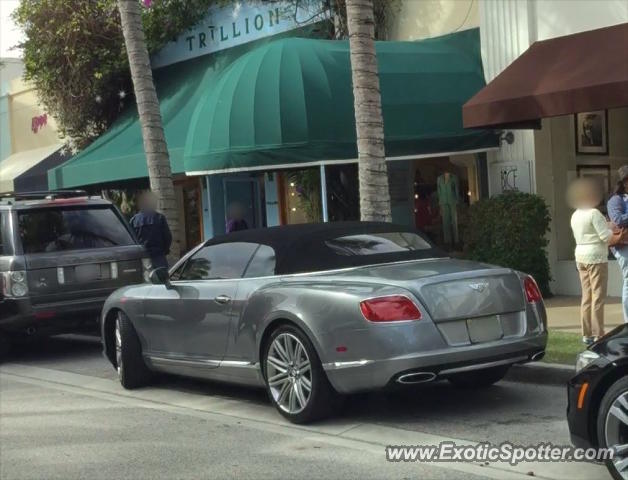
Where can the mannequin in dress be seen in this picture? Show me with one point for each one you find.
(448, 199)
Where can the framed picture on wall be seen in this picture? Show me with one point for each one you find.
(599, 173)
(591, 129)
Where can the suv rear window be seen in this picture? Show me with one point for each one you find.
(62, 229)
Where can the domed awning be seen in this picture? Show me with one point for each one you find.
(289, 103)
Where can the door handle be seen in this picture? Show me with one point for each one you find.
(222, 299)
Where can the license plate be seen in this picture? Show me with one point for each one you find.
(484, 329)
(84, 273)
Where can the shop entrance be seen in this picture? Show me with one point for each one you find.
(242, 199)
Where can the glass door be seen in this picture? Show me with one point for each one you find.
(242, 203)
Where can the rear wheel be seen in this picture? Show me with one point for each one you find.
(132, 371)
(480, 378)
(612, 427)
(295, 380)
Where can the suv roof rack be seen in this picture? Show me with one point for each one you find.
(42, 195)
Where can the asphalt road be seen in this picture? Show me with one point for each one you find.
(63, 415)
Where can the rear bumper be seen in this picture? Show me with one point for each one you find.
(20, 316)
(365, 374)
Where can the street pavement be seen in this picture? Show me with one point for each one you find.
(64, 415)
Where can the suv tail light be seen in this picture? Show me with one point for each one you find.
(533, 294)
(392, 308)
(14, 284)
(147, 266)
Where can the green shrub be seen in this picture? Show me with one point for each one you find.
(509, 230)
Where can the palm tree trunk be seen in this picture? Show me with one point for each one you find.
(373, 174)
(157, 157)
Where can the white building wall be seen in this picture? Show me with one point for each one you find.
(506, 30)
(555, 18)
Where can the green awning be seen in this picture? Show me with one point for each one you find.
(289, 102)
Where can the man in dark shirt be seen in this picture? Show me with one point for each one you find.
(152, 230)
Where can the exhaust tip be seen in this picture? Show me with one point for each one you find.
(537, 356)
(31, 331)
(416, 377)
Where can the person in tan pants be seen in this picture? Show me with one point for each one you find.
(592, 234)
(594, 279)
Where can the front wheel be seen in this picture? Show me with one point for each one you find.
(295, 380)
(480, 378)
(612, 427)
(132, 371)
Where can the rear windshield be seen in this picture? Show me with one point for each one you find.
(354, 249)
(377, 243)
(56, 230)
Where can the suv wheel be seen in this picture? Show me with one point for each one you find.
(295, 380)
(612, 427)
(480, 378)
(132, 371)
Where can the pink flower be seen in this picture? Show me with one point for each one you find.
(147, 3)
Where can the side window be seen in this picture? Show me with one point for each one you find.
(226, 260)
(262, 264)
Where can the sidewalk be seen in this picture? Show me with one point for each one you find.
(563, 313)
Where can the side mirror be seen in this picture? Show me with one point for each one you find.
(160, 276)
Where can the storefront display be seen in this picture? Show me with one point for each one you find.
(444, 188)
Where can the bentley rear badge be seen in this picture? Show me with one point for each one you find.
(479, 287)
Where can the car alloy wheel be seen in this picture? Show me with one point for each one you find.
(132, 371)
(289, 373)
(616, 433)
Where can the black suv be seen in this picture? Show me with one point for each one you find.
(61, 255)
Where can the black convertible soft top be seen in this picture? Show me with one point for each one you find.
(302, 248)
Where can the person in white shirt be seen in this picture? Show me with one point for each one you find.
(592, 233)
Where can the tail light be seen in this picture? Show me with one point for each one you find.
(147, 266)
(393, 308)
(14, 284)
(533, 294)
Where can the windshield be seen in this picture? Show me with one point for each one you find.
(56, 230)
(374, 243)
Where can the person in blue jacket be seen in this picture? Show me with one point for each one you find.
(151, 229)
(617, 208)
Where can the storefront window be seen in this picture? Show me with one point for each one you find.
(443, 190)
(301, 196)
(343, 195)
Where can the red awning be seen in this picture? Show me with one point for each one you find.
(575, 73)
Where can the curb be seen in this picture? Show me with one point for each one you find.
(541, 373)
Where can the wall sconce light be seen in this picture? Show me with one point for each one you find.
(507, 137)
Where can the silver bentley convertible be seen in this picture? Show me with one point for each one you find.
(314, 311)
